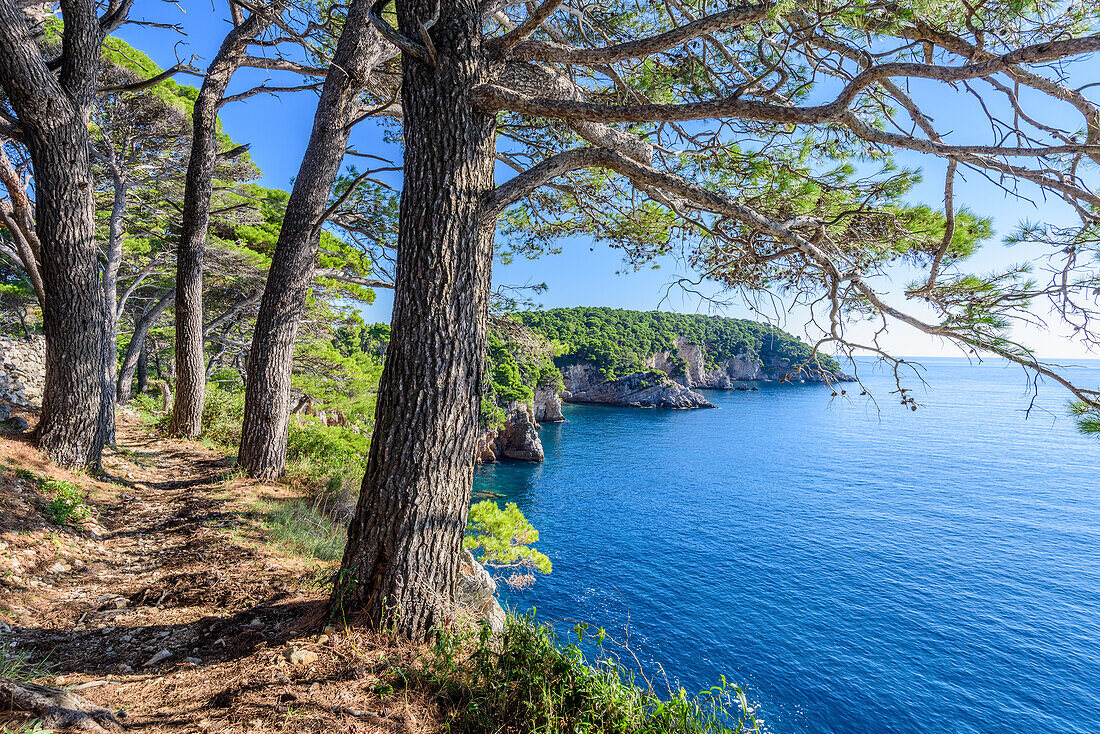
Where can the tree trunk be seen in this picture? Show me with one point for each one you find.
(190, 363)
(401, 562)
(136, 352)
(52, 113)
(143, 367)
(267, 385)
(111, 265)
(20, 224)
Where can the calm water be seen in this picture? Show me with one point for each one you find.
(855, 570)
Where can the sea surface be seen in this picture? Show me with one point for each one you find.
(856, 568)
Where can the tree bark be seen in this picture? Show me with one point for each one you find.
(401, 562)
(190, 363)
(267, 392)
(143, 367)
(136, 350)
(53, 114)
(111, 265)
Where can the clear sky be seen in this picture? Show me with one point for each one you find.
(585, 273)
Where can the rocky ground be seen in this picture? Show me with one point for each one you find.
(170, 606)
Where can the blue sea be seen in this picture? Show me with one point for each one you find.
(856, 567)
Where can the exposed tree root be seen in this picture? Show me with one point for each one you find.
(56, 708)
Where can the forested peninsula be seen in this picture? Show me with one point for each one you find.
(642, 359)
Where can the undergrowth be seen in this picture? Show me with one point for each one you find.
(302, 527)
(18, 666)
(526, 680)
(67, 503)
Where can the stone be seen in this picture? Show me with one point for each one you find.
(517, 439)
(14, 424)
(475, 592)
(299, 656)
(158, 658)
(547, 405)
(22, 370)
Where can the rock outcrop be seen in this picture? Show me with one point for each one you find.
(584, 383)
(22, 370)
(547, 405)
(517, 439)
(696, 373)
(475, 593)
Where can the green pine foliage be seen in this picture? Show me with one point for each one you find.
(1087, 417)
(619, 341)
(503, 538)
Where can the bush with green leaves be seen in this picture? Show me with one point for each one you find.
(526, 681)
(328, 453)
(68, 503)
(222, 415)
(503, 538)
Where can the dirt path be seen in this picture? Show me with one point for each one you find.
(171, 605)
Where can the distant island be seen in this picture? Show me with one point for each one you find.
(610, 356)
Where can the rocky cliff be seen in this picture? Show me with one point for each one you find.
(517, 439)
(584, 383)
(692, 370)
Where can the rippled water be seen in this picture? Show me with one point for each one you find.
(856, 570)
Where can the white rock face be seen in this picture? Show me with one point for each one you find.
(585, 384)
(722, 376)
(547, 405)
(518, 439)
(22, 370)
(476, 592)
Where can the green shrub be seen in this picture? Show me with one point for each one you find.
(147, 406)
(527, 682)
(326, 453)
(67, 503)
(222, 415)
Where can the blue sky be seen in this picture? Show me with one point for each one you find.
(585, 273)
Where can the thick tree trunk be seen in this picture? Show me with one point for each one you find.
(136, 352)
(401, 562)
(52, 113)
(190, 362)
(267, 395)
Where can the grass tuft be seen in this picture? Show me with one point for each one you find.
(301, 526)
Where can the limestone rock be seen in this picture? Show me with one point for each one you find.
(22, 370)
(518, 439)
(585, 384)
(158, 658)
(298, 656)
(724, 376)
(476, 591)
(547, 405)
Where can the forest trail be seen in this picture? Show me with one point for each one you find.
(170, 604)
